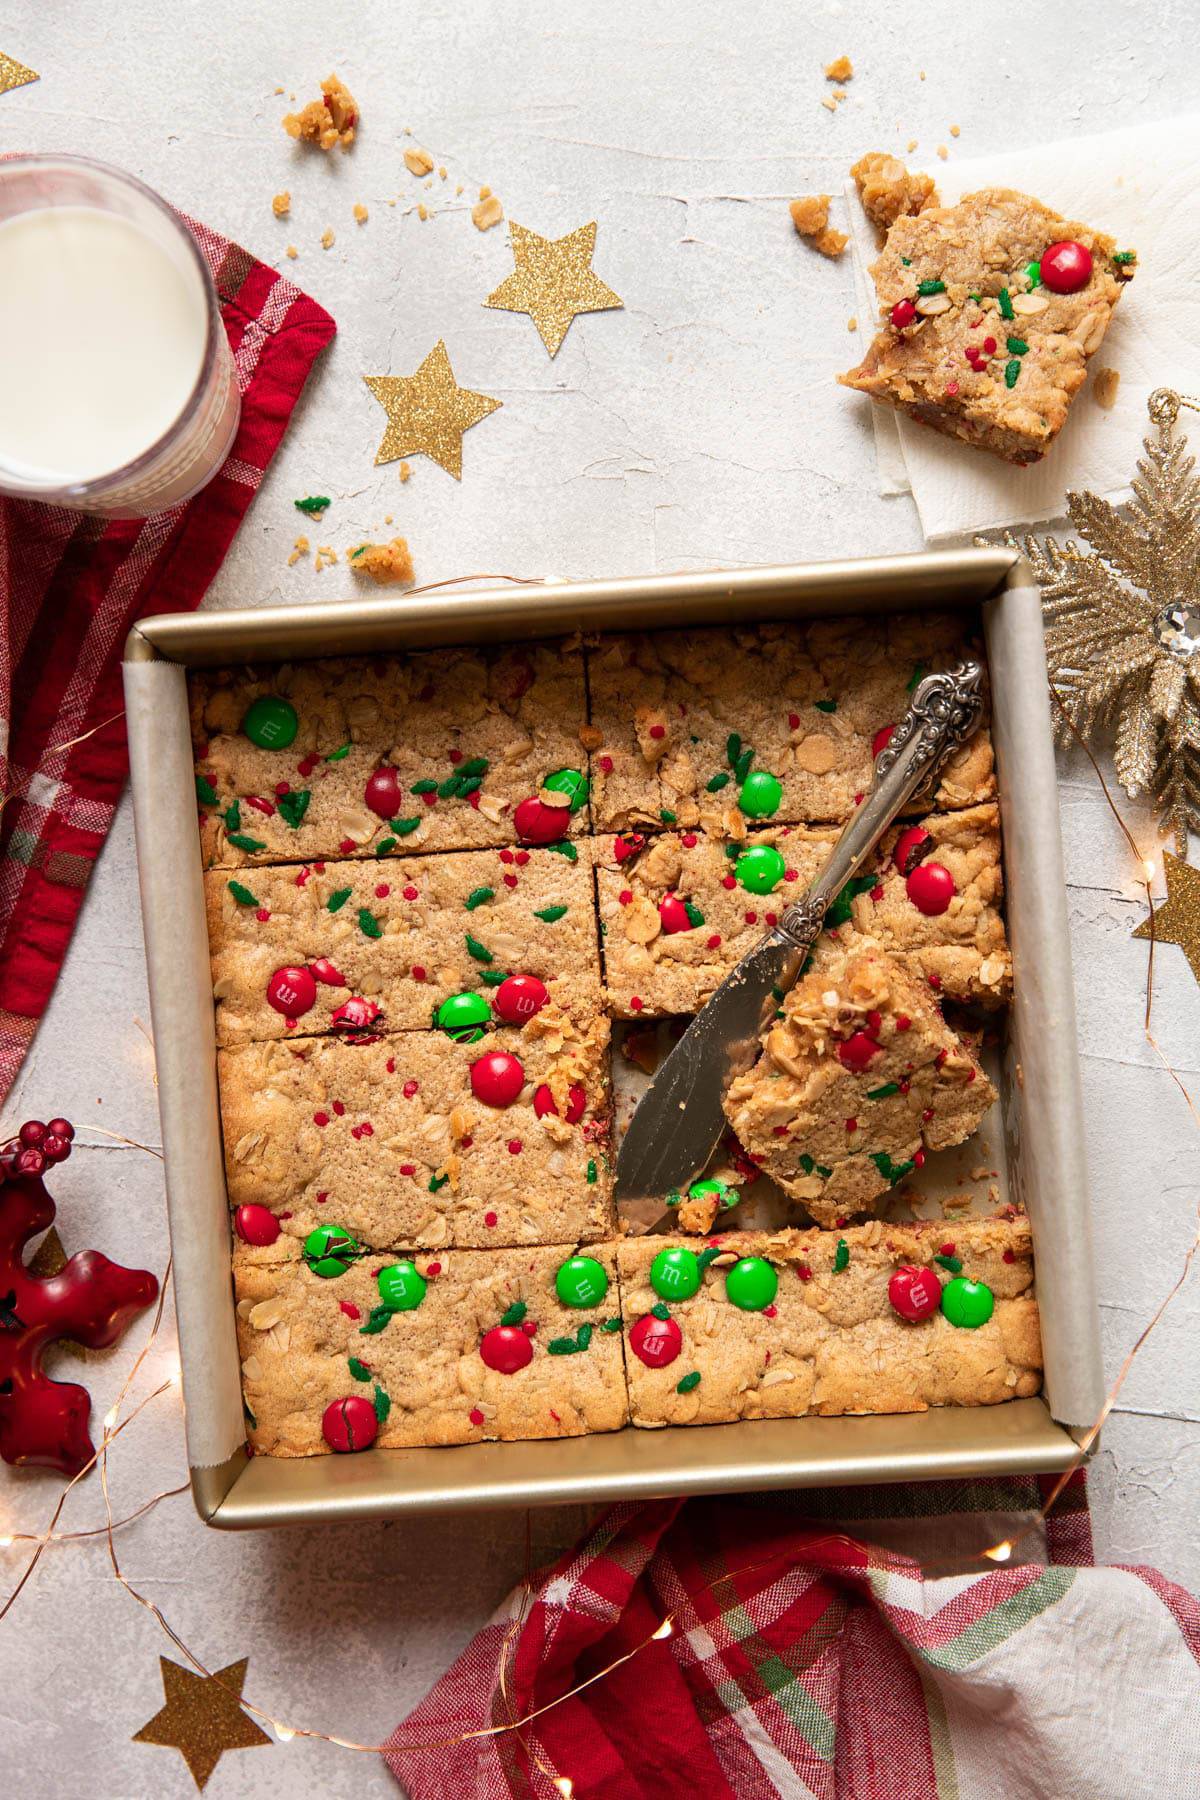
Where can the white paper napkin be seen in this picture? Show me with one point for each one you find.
(1139, 185)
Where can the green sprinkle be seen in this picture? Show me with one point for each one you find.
(478, 897)
(706, 1256)
(1122, 257)
(1006, 305)
(660, 1311)
(340, 754)
(493, 977)
(717, 782)
(206, 793)
(383, 1405)
(931, 287)
(475, 765)
(907, 261)
(361, 551)
(806, 1162)
(611, 1325)
(695, 916)
(1034, 272)
(674, 1197)
(668, 818)
(436, 1182)
(563, 1346)
(477, 950)
(403, 827)
(583, 1336)
(564, 848)
(733, 748)
(891, 1172)
(338, 899)
(446, 790)
(825, 706)
(949, 1262)
(823, 1172)
(1011, 371)
(914, 678)
(841, 1256)
(1016, 346)
(882, 1093)
(976, 297)
(368, 924)
(742, 766)
(423, 787)
(241, 894)
(384, 845)
(359, 1370)
(468, 784)
(591, 1172)
(514, 1314)
(378, 1320)
(549, 913)
(245, 843)
(233, 816)
(689, 1382)
(293, 806)
(316, 503)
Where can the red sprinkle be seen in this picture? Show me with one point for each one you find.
(804, 1272)
(903, 1022)
(454, 755)
(521, 858)
(382, 891)
(320, 1118)
(851, 1124)
(348, 1307)
(410, 1088)
(635, 1003)
(989, 344)
(625, 896)
(952, 387)
(793, 721)
(688, 840)
(771, 918)
(935, 981)
(1009, 1256)
(302, 877)
(281, 788)
(391, 1065)
(714, 942)
(770, 1312)
(918, 1159)
(752, 918)
(971, 1076)
(346, 846)
(433, 1268)
(475, 1416)
(606, 763)
(418, 973)
(506, 856)
(339, 1108)
(408, 1168)
(412, 893)
(780, 1130)
(510, 881)
(489, 1218)
(728, 881)
(430, 799)
(262, 915)
(877, 891)
(514, 1146)
(322, 1197)
(262, 806)
(658, 731)
(927, 1115)
(790, 875)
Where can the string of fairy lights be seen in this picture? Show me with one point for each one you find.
(117, 1422)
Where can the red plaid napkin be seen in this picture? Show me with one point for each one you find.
(807, 1661)
(71, 587)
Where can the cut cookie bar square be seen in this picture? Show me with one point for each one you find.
(430, 751)
(875, 1319)
(765, 723)
(681, 911)
(991, 310)
(420, 1140)
(342, 1351)
(857, 1078)
(290, 946)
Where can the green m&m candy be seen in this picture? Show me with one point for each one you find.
(760, 869)
(401, 1286)
(761, 794)
(726, 1195)
(464, 1017)
(270, 722)
(751, 1284)
(571, 783)
(967, 1303)
(675, 1274)
(581, 1281)
(329, 1251)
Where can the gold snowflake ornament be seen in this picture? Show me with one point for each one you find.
(1123, 623)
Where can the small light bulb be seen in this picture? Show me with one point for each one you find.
(665, 1630)
(565, 1786)
(110, 1418)
(1000, 1552)
(284, 1733)
(1148, 866)
(6, 1543)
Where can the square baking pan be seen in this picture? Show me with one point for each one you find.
(1041, 1154)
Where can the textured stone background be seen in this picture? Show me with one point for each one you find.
(699, 427)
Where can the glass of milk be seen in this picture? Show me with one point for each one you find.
(117, 388)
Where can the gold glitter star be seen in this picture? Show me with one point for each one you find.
(428, 412)
(553, 280)
(14, 74)
(1177, 918)
(202, 1719)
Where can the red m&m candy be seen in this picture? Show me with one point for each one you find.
(656, 1342)
(538, 823)
(506, 1348)
(673, 915)
(882, 739)
(350, 1424)
(857, 1051)
(911, 846)
(1066, 267)
(543, 1102)
(497, 1078)
(931, 888)
(356, 1014)
(256, 1225)
(519, 997)
(292, 992)
(903, 313)
(915, 1294)
(383, 793)
(328, 972)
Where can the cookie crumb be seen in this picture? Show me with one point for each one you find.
(384, 563)
(955, 130)
(942, 152)
(333, 119)
(418, 162)
(888, 191)
(921, 74)
(852, 323)
(912, 144)
(840, 69)
(301, 549)
(1104, 387)
(840, 94)
(281, 205)
(292, 252)
(829, 104)
(459, 188)
(360, 213)
(405, 471)
(327, 238)
(486, 213)
(442, 171)
(422, 210)
(326, 556)
(810, 216)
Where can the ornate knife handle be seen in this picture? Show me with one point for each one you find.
(944, 712)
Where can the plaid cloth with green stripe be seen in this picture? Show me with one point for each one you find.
(807, 1654)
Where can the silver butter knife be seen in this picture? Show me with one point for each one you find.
(679, 1119)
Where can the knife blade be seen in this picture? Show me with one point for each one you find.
(679, 1119)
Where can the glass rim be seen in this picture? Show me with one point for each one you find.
(99, 485)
